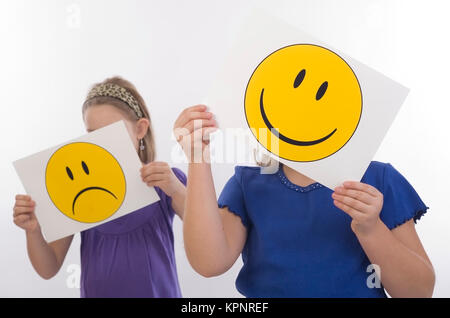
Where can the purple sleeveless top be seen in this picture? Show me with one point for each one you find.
(132, 256)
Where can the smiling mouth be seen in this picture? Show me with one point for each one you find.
(89, 189)
(283, 137)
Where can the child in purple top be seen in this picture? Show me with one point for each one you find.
(132, 256)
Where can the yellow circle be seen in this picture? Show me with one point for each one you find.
(303, 102)
(85, 182)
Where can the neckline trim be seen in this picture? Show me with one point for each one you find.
(294, 187)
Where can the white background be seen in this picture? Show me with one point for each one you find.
(171, 50)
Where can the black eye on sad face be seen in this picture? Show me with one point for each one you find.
(83, 165)
(320, 91)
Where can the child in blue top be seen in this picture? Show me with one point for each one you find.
(298, 238)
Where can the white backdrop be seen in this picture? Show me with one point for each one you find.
(53, 50)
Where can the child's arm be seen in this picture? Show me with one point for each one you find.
(405, 268)
(213, 237)
(46, 258)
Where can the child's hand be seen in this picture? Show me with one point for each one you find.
(192, 129)
(362, 202)
(161, 175)
(24, 216)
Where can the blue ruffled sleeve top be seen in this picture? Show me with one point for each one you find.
(298, 243)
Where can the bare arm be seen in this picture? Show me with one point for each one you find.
(405, 268)
(46, 258)
(213, 237)
(178, 201)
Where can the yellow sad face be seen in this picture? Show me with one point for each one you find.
(303, 102)
(85, 182)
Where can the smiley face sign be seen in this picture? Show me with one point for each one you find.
(308, 98)
(85, 182)
(302, 102)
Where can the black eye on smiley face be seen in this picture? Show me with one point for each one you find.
(85, 168)
(320, 92)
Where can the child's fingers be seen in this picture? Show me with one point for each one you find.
(154, 169)
(155, 177)
(202, 134)
(196, 124)
(195, 108)
(21, 219)
(191, 113)
(353, 213)
(23, 197)
(25, 203)
(187, 129)
(194, 116)
(356, 194)
(22, 210)
(349, 201)
(362, 187)
(157, 163)
(159, 174)
(184, 120)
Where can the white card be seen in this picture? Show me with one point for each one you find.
(85, 182)
(358, 103)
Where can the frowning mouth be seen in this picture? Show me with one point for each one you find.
(89, 189)
(283, 137)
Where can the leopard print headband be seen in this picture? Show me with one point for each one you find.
(118, 92)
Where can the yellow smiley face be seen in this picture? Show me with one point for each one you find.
(307, 98)
(85, 182)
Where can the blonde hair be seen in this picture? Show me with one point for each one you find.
(148, 153)
(264, 161)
